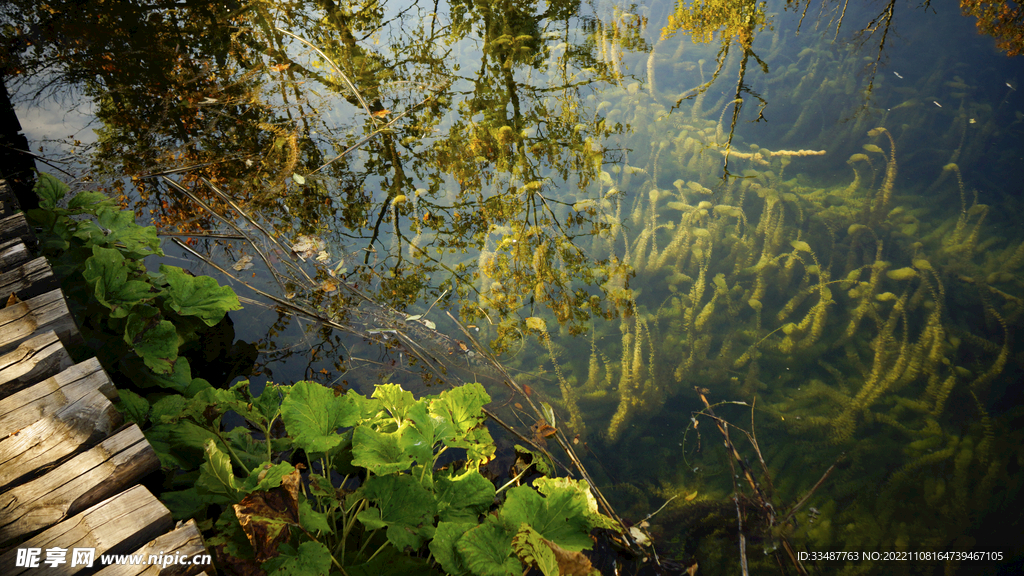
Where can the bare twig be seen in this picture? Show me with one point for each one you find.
(807, 496)
(234, 226)
(257, 225)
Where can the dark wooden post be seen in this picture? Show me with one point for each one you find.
(17, 167)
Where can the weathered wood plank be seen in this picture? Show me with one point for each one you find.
(85, 421)
(76, 484)
(116, 525)
(8, 202)
(28, 280)
(32, 404)
(185, 539)
(17, 227)
(44, 312)
(13, 253)
(33, 360)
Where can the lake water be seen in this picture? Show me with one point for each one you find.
(815, 228)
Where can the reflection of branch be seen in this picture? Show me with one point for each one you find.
(37, 157)
(351, 86)
(737, 102)
(370, 136)
(280, 301)
(206, 207)
(883, 19)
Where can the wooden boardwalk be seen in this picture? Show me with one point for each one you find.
(69, 466)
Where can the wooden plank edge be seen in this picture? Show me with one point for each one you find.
(120, 523)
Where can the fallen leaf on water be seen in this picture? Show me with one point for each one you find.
(308, 246)
(542, 430)
(639, 536)
(329, 286)
(244, 263)
(323, 256)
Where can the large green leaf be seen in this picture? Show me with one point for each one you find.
(379, 452)
(393, 399)
(198, 296)
(312, 520)
(268, 403)
(311, 559)
(401, 504)
(416, 435)
(267, 477)
(461, 417)
(179, 445)
(215, 475)
(88, 233)
(531, 549)
(462, 407)
(559, 517)
(107, 270)
(88, 201)
(50, 190)
(169, 409)
(138, 241)
(463, 498)
(312, 414)
(188, 503)
(487, 549)
(444, 546)
(134, 407)
(389, 452)
(250, 452)
(155, 342)
(581, 489)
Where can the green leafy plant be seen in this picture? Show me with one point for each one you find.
(137, 321)
(290, 501)
(317, 482)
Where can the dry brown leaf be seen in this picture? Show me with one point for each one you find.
(266, 516)
(570, 563)
(542, 430)
(308, 246)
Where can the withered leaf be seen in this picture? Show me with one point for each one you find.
(244, 263)
(266, 516)
(570, 563)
